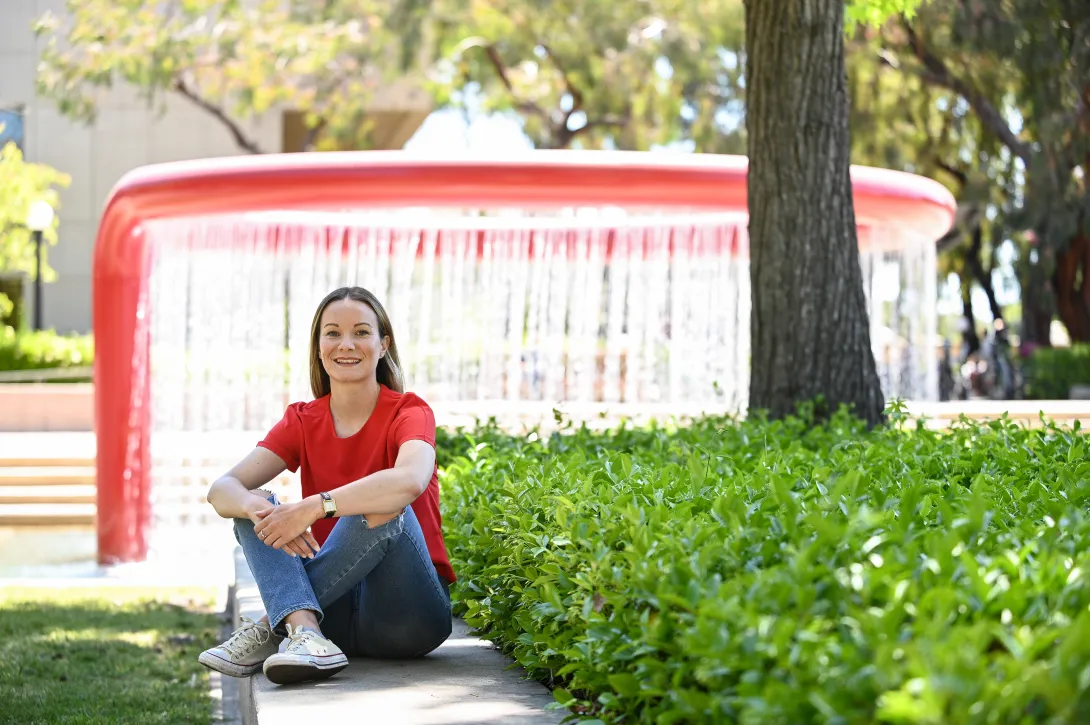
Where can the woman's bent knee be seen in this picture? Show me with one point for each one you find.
(406, 643)
(442, 635)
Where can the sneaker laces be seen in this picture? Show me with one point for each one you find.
(297, 640)
(246, 638)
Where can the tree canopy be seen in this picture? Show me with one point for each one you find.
(627, 74)
(238, 59)
(590, 74)
(900, 121)
(1020, 70)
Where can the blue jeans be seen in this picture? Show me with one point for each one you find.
(375, 590)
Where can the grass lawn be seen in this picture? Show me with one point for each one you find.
(105, 655)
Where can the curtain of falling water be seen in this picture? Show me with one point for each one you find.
(900, 283)
(654, 311)
(217, 320)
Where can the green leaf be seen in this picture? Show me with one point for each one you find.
(624, 684)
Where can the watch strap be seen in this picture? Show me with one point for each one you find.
(327, 499)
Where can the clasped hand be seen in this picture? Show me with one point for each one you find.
(286, 527)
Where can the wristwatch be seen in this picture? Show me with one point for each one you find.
(328, 505)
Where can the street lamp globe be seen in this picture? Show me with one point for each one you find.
(40, 217)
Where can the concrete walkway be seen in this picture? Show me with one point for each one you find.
(464, 682)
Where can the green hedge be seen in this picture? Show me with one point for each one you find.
(763, 572)
(1051, 371)
(45, 349)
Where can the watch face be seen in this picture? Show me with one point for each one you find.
(328, 505)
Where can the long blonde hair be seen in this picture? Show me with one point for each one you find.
(388, 372)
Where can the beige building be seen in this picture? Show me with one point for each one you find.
(125, 135)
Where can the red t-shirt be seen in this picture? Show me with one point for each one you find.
(305, 438)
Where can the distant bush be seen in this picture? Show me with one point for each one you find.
(1051, 371)
(44, 350)
(21, 185)
(775, 572)
(12, 304)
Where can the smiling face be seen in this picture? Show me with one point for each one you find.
(349, 341)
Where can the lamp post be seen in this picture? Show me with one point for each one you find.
(38, 220)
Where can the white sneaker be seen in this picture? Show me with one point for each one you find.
(304, 655)
(243, 653)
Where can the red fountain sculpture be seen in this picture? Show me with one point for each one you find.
(339, 181)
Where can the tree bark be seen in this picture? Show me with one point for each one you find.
(1073, 288)
(242, 140)
(1037, 304)
(970, 338)
(809, 326)
(983, 276)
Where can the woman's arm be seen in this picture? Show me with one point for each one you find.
(232, 493)
(380, 496)
(389, 491)
(233, 496)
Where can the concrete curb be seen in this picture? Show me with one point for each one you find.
(467, 680)
(245, 601)
(225, 709)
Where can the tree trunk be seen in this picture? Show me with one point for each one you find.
(1037, 304)
(983, 276)
(1073, 288)
(809, 325)
(970, 338)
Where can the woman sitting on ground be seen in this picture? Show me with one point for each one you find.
(358, 566)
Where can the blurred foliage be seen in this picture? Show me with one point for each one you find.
(583, 73)
(626, 75)
(872, 13)
(22, 184)
(900, 121)
(237, 60)
(44, 349)
(1021, 70)
(1051, 371)
(12, 304)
